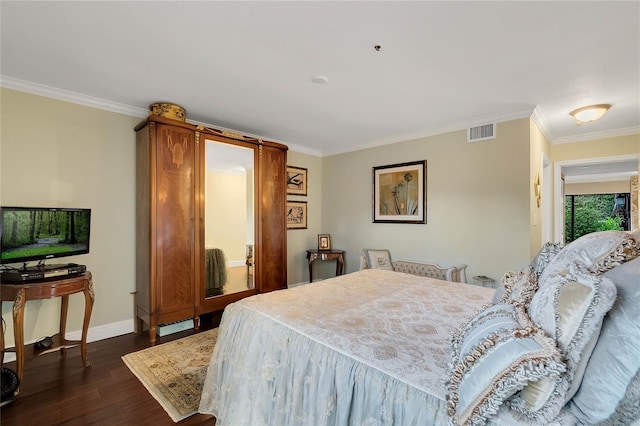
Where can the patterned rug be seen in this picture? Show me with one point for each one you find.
(174, 372)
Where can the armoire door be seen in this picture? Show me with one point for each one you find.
(242, 205)
(175, 228)
(271, 267)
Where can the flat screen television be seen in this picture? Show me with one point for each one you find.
(40, 233)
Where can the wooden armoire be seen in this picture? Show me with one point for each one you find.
(170, 197)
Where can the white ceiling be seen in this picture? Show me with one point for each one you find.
(248, 66)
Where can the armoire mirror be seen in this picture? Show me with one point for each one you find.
(229, 224)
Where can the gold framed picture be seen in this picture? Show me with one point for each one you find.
(296, 180)
(324, 242)
(400, 193)
(296, 214)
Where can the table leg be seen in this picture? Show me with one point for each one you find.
(64, 308)
(340, 265)
(89, 297)
(310, 271)
(18, 330)
(2, 344)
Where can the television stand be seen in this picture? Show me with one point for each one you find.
(28, 274)
(48, 289)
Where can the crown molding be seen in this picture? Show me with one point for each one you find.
(68, 96)
(542, 124)
(453, 127)
(90, 101)
(597, 135)
(533, 113)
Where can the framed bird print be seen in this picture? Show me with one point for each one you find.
(296, 180)
(296, 215)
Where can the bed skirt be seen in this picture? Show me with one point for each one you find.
(314, 385)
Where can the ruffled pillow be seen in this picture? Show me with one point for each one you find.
(378, 259)
(494, 355)
(570, 309)
(545, 255)
(598, 251)
(519, 286)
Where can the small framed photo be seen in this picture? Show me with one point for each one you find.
(296, 180)
(400, 193)
(324, 242)
(296, 215)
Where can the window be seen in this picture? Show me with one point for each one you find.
(595, 212)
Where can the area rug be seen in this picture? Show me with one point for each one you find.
(174, 372)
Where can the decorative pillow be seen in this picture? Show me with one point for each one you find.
(519, 286)
(628, 410)
(570, 309)
(494, 355)
(612, 376)
(378, 259)
(497, 296)
(598, 251)
(545, 255)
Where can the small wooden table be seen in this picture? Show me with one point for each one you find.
(337, 255)
(20, 293)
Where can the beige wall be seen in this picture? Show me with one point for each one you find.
(60, 154)
(477, 201)
(598, 148)
(300, 240)
(539, 147)
(226, 214)
(597, 187)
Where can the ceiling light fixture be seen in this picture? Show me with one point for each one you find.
(589, 113)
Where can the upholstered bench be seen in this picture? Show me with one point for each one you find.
(423, 269)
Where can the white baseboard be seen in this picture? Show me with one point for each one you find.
(297, 284)
(95, 333)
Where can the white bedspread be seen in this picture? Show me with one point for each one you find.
(369, 348)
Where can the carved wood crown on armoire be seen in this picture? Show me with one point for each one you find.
(185, 265)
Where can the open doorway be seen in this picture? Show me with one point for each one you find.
(586, 213)
(606, 175)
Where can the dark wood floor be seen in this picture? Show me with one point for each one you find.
(60, 390)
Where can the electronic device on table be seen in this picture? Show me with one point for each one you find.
(38, 234)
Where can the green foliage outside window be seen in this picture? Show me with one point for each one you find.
(591, 213)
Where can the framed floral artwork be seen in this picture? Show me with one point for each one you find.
(400, 193)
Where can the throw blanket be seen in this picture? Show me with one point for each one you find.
(215, 271)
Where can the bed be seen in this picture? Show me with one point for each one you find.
(378, 347)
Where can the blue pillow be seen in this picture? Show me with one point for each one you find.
(494, 355)
(610, 389)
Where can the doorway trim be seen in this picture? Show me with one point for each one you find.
(547, 200)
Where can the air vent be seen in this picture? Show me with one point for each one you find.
(481, 133)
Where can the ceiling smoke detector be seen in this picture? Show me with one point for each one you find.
(319, 79)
